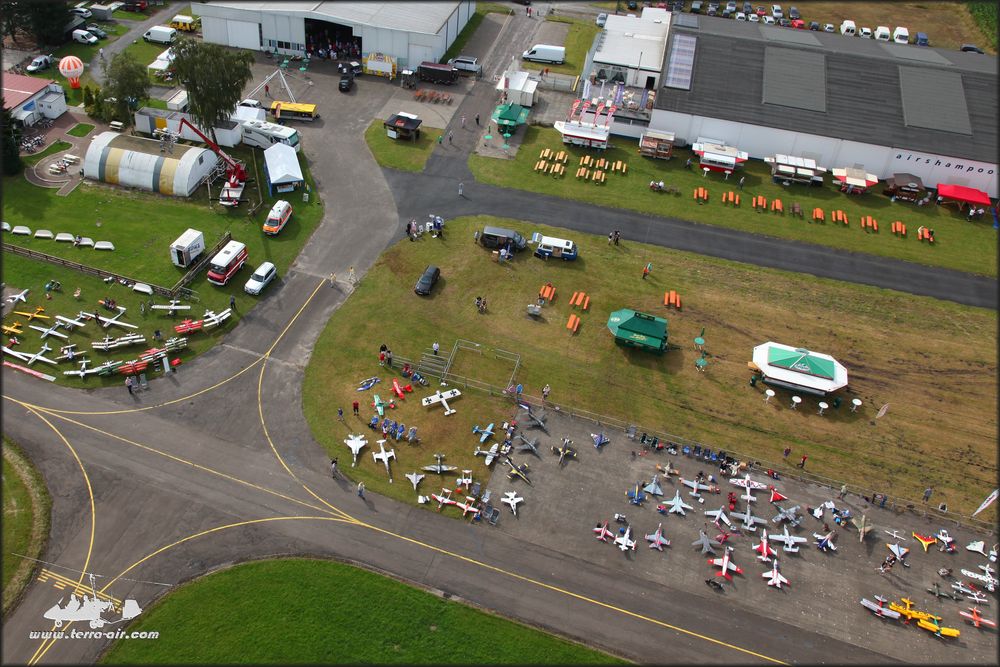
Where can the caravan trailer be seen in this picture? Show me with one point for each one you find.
(262, 134)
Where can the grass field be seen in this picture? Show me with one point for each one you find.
(80, 130)
(933, 361)
(25, 520)
(141, 252)
(51, 149)
(299, 611)
(578, 41)
(401, 154)
(961, 245)
(985, 16)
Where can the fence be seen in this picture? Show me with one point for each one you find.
(198, 266)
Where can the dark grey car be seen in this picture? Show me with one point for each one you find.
(427, 280)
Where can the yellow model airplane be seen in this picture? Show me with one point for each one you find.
(37, 314)
(933, 624)
(12, 329)
(925, 541)
(907, 611)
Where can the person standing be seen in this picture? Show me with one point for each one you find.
(333, 467)
(927, 493)
(843, 491)
(435, 347)
(742, 181)
(687, 164)
(232, 302)
(545, 392)
(340, 414)
(361, 490)
(460, 188)
(477, 120)
(128, 385)
(802, 463)
(463, 121)
(450, 135)
(267, 90)
(388, 358)
(788, 450)
(618, 236)
(645, 271)
(355, 405)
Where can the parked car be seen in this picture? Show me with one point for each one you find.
(632, 4)
(747, 7)
(82, 12)
(696, 7)
(799, 24)
(784, 23)
(921, 39)
(740, 16)
(602, 18)
(971, 48)
(83, 37)
(713, 9)
(814, 25)
(769, 20)
(753, 18)
(761, 11)
(95, 30)
(901, 35)
(865, 33)
(731, 6)
(427, 281)
(38, 63)
(829, 27)
(252, 103)
(726, 13)
(793, 13)
(678, 6)
(261, 278)
(466, 64)
(882, 33)
(776, 12)
(346, 82)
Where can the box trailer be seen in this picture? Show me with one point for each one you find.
(437, 73)
(187, 248)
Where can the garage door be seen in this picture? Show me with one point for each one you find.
(418, 54)
(244, 34)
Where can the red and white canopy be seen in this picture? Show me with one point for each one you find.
(716, 156)
(856, 177)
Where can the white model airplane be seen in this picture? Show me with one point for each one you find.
(355, 443)
(439, 467)
(32, 358)
(788, 540)
(602, 533)
(653, 487)
(657, 540)
(706, 543)
(109, 321)
(774, 578)
(414, 478)
(70, 323)
(623, 541)
(442, 398)
(443, 499)
(747, 483)
(787, 515)
(878, 607)
(825, 542)
(749, 521)
(490, 453)
(384, 456)
(465, 479)
(212, 319)
(175, 305)
(468, 506)
(696, 486)
(22, 297)
(726, 565)
(50, 331)
(946, 540)
(764, 549)
(511, 498)
(895, 535)
(749, 496)
(84, 371)
(977, 546)
(677, 504)
(719, 515)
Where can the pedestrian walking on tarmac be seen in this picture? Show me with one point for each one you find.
(361, 490)
(128, 385)
(477, 120)
(333, 467)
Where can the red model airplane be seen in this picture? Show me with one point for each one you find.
(976, 618)
(726, 565)
(764, 549)
(924, 540)
(398, 390)
(776, 496)
(602, 533)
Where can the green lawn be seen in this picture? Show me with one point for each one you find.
(939, 378)
(482, 9)
(80, 130)
(298, 611)
(960, 245)
(985, 16)
(401, 154)
(51, 149)
(105, 213)
(25, 525)
(578, 41)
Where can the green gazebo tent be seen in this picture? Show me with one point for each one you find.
(509, 116)
(636, 329)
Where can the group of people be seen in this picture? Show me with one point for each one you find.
(384, 356)
(614, 237)
(333, 49)
(110, 303)
(481, 304)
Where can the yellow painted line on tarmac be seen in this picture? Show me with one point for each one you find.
(197, 393)
(93, 514)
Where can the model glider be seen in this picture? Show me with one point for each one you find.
(50, 331)
(657, 540)
(774, 578)
(442, 398)
(895, 535)
(30, 358)
(38, 314)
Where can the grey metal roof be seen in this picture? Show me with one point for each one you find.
(862, 86)
(945, 109)
(794, 78)
(417, 17)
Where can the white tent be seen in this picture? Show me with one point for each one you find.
(281, 164)
(162, 62)
(518, 85)
(799, 369)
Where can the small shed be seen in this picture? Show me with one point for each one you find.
(799, 369)
(403, 125)
(715, 155)
(281, 169)
(634, 329)
(517, 87)
(904, 187)
(656, 144)
(509, 116)
(793, 169)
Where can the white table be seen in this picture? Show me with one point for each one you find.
(795, 402)
(769, 393)
(855, 404)
(822, 406)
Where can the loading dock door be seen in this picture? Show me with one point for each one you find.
(244, 34)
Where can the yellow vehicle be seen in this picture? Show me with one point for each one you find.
(185, 23)
(293, 111)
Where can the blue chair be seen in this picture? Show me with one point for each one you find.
(697, 451)
(686, 450)
(715, 457)
(706, 455)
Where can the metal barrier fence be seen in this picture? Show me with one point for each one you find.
(199, 265)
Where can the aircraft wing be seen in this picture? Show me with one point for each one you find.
(16, 355)
(431, 400)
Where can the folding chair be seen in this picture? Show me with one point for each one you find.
(697, 451)
(630, 432)
(494, 516)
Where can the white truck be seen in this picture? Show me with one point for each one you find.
(161, 34)
(187, 248)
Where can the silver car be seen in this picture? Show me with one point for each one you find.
(261, 278)
(466, 64)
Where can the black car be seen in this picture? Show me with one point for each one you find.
(678, 6)
(813, 25)
(426, 282)
(793, 13)
(748, 8)
(784, 23)
(346, 81)
(971, 48)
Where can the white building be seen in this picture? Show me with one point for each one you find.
(410, 32)
(633, 47)
(135, 162)
(841, 101)
(30, 99)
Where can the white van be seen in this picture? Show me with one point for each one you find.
(84, 37)
(545, 53)
(882, 34)
(161, 34)
(549, 246)
(848, 28)
(901, 35)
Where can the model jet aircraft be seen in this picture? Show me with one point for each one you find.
(788, 540)
(764, 549)
(825, 542)
(442, 398)
(719, 515)
(695, 486)
(623, 541)
(657, 540)
(602, 533)
(490, 453)
(925, 540)
(564, 451)
(355, 443)
(787, 515)
(483, 433)
(653, 487)
(511, 498)
(439, 467)
(899, 552)
(774, 578)
(863, 527)
(536, 419)
(976, 618)
(726, 565)
(528, 445)
(706, 543)
(516, 470)
(365, 385)
(22, 297)
(414, 478)
(384, 457)
(977, 546)
(878, 607)
(635, 495)
(38, 314)
(749, 521)
(677, 505)
(50, 331)
(599, 440)
(776, 496)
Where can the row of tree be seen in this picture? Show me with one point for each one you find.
(45, 20)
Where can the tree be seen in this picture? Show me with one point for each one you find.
(12, 164)
(127, 81)
(12, 19)
(47, 21)
(214, 78)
